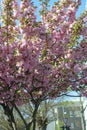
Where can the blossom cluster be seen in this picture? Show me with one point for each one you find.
(41, 59)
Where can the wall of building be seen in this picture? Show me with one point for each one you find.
(73, 112)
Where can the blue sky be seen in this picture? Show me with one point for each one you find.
(82, 6)
(80, 10)
(52, 1)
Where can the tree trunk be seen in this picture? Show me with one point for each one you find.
(27, 125)
(33, 122)
(12, 121)
(9, 113)
(82, 112)
(44, 127)
(34, 116)
(84, 122)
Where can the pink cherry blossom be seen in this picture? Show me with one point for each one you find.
(41, 59)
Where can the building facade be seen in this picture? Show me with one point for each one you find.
(73, 113)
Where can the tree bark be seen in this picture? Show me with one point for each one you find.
(44, 127)
(27, 125)
(33, 122)
(82, 112)
(9, 113)
(18, 111)
(34, 116)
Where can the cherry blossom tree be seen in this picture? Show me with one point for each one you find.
(41, 59)
(8, 60)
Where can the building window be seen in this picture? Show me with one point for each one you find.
(71, 114)
(77, 114)
(72, 125)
